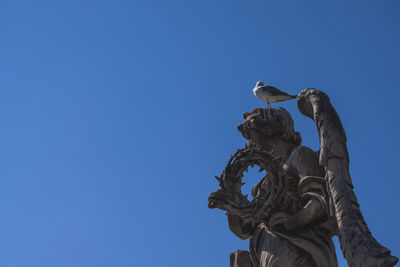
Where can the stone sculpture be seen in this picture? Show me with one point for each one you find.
(304, 200)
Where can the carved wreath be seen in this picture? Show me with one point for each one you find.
(268, 195)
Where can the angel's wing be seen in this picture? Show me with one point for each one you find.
(357, 243)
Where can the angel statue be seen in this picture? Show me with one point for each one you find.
(305, 198)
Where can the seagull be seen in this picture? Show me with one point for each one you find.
(270, 94)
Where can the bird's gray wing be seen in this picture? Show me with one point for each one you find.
(358, 245)
(271, 90)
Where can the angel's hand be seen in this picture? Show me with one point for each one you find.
(247, 217)
(285, 220)
(253, 215)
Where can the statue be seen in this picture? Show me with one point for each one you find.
(305, 198)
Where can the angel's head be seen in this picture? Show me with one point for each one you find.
(263, 126)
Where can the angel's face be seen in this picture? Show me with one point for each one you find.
(264, 133)
(258, 138)
(256, 130)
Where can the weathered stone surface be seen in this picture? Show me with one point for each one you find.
(304, 200)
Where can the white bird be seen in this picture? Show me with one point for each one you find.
(270, 94)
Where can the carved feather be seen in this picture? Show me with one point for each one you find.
(358, 245)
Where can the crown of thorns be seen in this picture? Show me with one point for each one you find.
(267, 195)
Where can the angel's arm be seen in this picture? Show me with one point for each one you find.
(311, 212)
(303, 163)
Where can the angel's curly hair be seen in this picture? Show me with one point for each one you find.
(271, 122)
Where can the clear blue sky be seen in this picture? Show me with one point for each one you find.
(116, 115)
